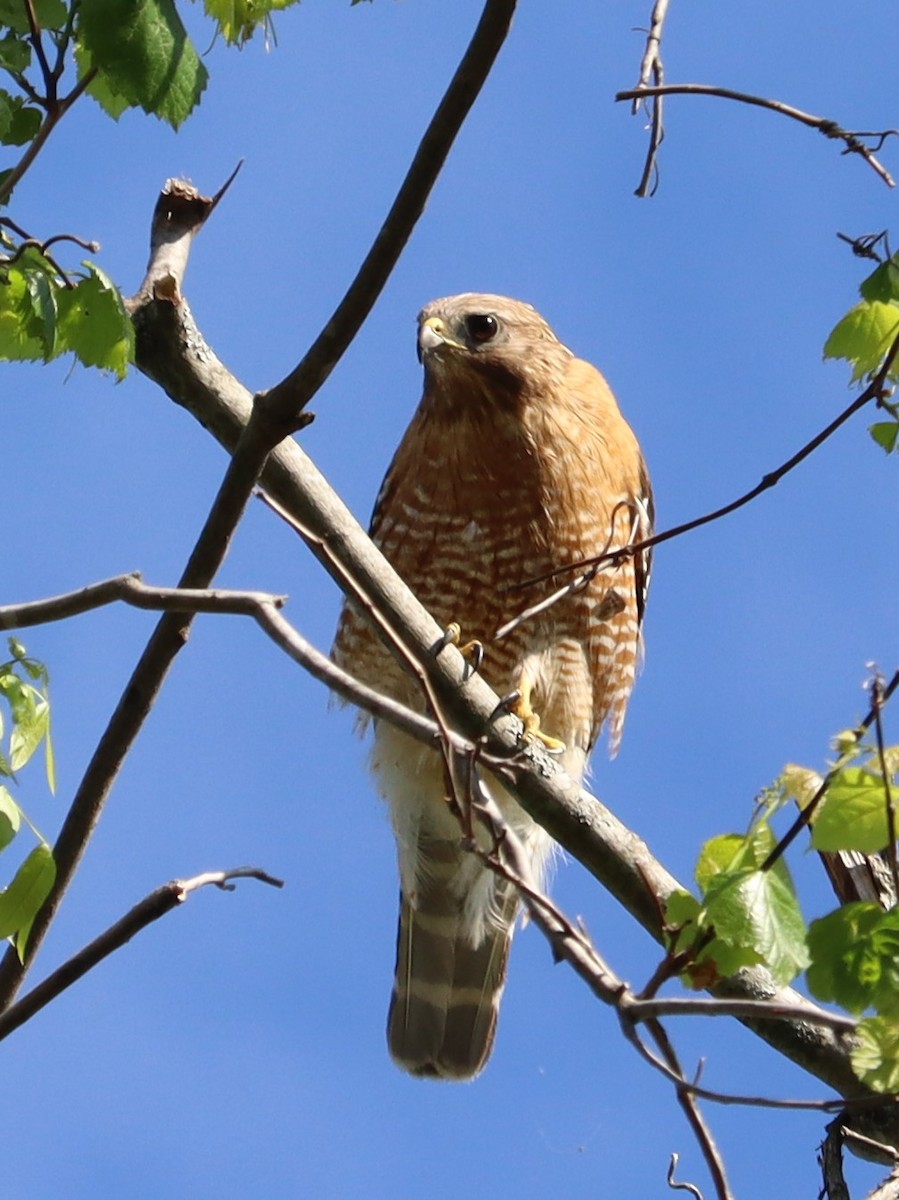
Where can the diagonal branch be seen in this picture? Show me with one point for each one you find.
(150, 909)
(874, 391)
(297, 389)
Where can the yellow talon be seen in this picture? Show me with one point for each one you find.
(472, 650)
(524, 711)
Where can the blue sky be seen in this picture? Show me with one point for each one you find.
(237, 1047)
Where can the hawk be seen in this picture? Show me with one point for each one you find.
(516, 463)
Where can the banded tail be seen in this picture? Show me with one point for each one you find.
(447, 990)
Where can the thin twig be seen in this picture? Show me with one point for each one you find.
(877, 702)
(676, 1184)
(263, 607)
(641, 1010)
(37, 42)
(150, 909)
(687, 1101)
(652, 71)
(298, 388)
(830, 1160)
(874, 391)
(830, 129)
(131, 589)
(52, 119)
(808, 810)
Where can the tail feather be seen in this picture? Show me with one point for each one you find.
(446, 995)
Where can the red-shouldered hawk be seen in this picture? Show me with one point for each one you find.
(517, 462)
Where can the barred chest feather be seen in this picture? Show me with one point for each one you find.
(472, 514)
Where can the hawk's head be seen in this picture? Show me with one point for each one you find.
(491, 346)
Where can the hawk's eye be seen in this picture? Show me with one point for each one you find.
(481, 327)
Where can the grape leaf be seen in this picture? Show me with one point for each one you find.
(864, 336)
(28, 734)
(15, 52)
(855, 957)
(10, 818)
(21, 901)
(142, 51)
(875, 1055)
(852, 815)
(885, 434)
(93, 323)
(238, 20)
(758, 911)
(882, 283)
(51, 14)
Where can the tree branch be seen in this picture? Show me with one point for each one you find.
(150, 909)
(652, 71)
(874, 391)
(830, 129)
(298, 388)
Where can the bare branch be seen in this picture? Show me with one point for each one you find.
(297, 389)
(675, 1006)
(51, 120)
(830, 1160)
(687, 1101)
(652, 72)
(130, 589)
(874, 391)
(150, 909)
(830, 129)
(675, 1184)
(877, 703)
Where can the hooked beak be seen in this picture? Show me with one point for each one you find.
(431, 335)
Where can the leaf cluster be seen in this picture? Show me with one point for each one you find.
(45, 313)
(748, 911)
(24, 728)
(864, 336)
(126, 54)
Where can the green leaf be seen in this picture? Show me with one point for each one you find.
(10, 818)
(717, 855)
(18, 121)
(875, 1055)
(852, 815)
(715, 960)
(28, 735)
(23, 122)
(855, 958)
(15, 52)
(23, 315)
(100, 87)
(51, 14)
(93, 323)
(864, 336)
(142, 51)
(757, 910)
(883, 283)
(50, 762)
(885, 434)
(238, 20)
(21, 901)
